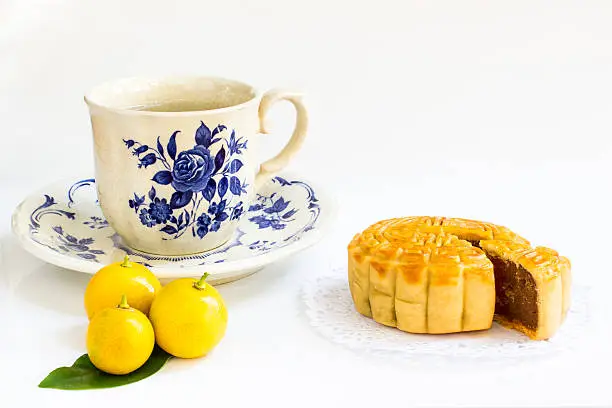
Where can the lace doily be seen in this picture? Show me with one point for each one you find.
(331, 312)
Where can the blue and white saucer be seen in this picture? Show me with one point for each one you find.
(64, 225)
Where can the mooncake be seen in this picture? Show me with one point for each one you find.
(446, 275)
(532, 287)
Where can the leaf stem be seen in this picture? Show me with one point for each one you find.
(200, 283)
(159, 156)
(126, 262)
(124, 303)
(193, 218)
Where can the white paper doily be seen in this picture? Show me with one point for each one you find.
(331, 312)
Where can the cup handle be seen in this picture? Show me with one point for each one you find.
(270, 167)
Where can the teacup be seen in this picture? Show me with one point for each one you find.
(176, 158)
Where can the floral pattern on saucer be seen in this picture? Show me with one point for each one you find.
(64, 225)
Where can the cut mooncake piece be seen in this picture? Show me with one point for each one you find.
(429, 275)
(532, 287)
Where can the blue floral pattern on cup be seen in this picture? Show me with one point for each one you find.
(195, 175)
(73, 225)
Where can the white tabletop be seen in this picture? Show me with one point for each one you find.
(470, 109)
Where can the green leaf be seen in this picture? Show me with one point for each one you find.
(83, 375)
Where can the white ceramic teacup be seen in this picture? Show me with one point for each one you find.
(176, 158)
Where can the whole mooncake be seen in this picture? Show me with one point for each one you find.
(447, 275)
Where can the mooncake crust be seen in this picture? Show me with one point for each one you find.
(551, 273)
(429, 275)
(411, 274)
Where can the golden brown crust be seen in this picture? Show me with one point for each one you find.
(422, 280)
(422, 274)
(543, 263)
(552, 276)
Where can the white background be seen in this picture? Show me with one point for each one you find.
(500, 111)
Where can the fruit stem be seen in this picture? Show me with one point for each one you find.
(200, 284)
(126, 262)
(124, 303)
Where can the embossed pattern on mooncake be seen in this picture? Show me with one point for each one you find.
(429, 274)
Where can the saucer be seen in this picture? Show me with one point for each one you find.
(64, 225)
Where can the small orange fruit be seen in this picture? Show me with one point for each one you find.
(134, 280)
(120, 339)
(189, 317)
